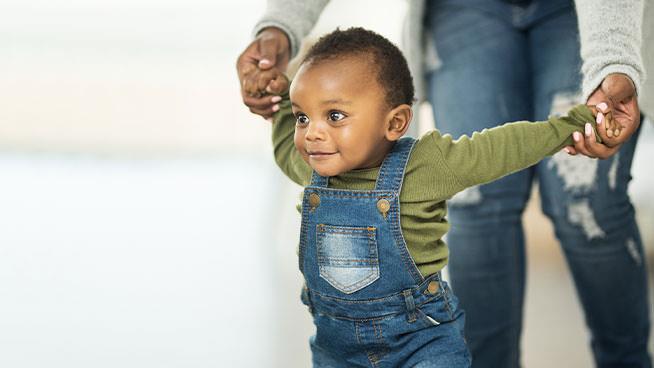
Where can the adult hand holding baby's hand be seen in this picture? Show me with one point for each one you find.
(269, 85)
(265, 82)
(617, 114)
(269, 50)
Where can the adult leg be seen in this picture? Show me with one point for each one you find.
(483, 81)
(588, 202)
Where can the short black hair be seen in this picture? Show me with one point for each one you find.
(392, 70)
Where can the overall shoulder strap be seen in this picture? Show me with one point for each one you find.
(319, 181)
(391, 172)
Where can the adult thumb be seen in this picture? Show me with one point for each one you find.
(268, 49)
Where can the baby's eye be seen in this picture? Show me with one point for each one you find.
(302, 119)
(336, 115)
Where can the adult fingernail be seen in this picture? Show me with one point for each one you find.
(599, 118)
(602, 106)
(576, 136)
(275, 108)
(588, 129)
(264, 62)
(566, 150)
(276, 99)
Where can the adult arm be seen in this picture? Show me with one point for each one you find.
(294, 17)
(277, 38)
(611, 40)
(611, 36)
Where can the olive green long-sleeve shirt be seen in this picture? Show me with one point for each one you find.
(439, 167)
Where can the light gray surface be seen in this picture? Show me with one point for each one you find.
(118, 263)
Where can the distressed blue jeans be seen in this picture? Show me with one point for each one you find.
(504, 62)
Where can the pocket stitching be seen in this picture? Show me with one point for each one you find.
(371, 264)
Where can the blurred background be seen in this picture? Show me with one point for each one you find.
(143, 222)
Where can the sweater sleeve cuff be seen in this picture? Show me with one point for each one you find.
(293, 39)
(296, 18)
(593, 80)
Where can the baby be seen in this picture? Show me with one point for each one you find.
(373, 209)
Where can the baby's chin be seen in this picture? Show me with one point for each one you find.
(326, 172)
(328, 169)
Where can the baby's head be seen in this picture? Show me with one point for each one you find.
(352, 98)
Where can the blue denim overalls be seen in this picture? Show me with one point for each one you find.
(370, 304)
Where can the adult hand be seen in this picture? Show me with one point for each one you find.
(619, 93)
(270, 49)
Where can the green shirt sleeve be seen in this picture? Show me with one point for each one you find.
(492, 153)
(287, 157)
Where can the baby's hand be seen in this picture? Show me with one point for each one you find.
(607, 127)
(258, 83)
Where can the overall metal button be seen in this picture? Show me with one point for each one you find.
(314, 200)
(433, 287)
(383, 205)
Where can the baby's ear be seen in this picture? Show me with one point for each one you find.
(398, 120)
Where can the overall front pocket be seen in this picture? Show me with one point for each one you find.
(347, 256)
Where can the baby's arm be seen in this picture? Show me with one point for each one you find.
(493, 153)
(286, 155)
(273, 81)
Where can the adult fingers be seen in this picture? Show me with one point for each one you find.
(602, 152)
(246, 62)
(608, 128)
(246, 68)
(580, 144)
(602, 130)
(570, 150)
(587, 146)
(250, 86)
(264, 106)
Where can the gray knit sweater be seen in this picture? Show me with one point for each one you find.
(610, 32)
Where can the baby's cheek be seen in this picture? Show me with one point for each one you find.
(298, 140)
(303, 154)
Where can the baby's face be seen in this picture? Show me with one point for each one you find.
(341, 116)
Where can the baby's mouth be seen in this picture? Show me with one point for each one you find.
(319, 154)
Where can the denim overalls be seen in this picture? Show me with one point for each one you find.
(370, 304)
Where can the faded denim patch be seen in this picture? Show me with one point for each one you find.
(347, 256)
